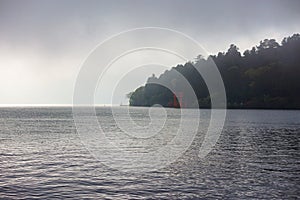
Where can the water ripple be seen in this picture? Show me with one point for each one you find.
(257, 157)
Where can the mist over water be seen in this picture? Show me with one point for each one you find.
(257, 156)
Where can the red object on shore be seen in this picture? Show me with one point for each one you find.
(178, 100)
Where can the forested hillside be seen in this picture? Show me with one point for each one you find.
(266, 76)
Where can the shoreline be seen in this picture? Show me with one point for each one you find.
(122, 106)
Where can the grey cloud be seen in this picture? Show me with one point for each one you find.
(60, 34)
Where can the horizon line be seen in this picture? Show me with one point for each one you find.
(56, 105)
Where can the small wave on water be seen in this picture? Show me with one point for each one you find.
(257, 156)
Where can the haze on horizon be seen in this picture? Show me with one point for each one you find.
(43, 43)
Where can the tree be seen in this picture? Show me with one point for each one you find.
(267, 44)
(267, 76)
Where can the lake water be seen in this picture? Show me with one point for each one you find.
(256, 156)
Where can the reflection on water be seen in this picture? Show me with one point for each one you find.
(257, 156)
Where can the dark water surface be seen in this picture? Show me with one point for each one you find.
(256, 157)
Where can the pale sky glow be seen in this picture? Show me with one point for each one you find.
(43, 43)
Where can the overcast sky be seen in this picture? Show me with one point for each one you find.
(43, 43)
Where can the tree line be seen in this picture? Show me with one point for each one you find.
(266, 76)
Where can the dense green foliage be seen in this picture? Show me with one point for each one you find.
(267, 76)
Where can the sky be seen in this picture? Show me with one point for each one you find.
(43, 44)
